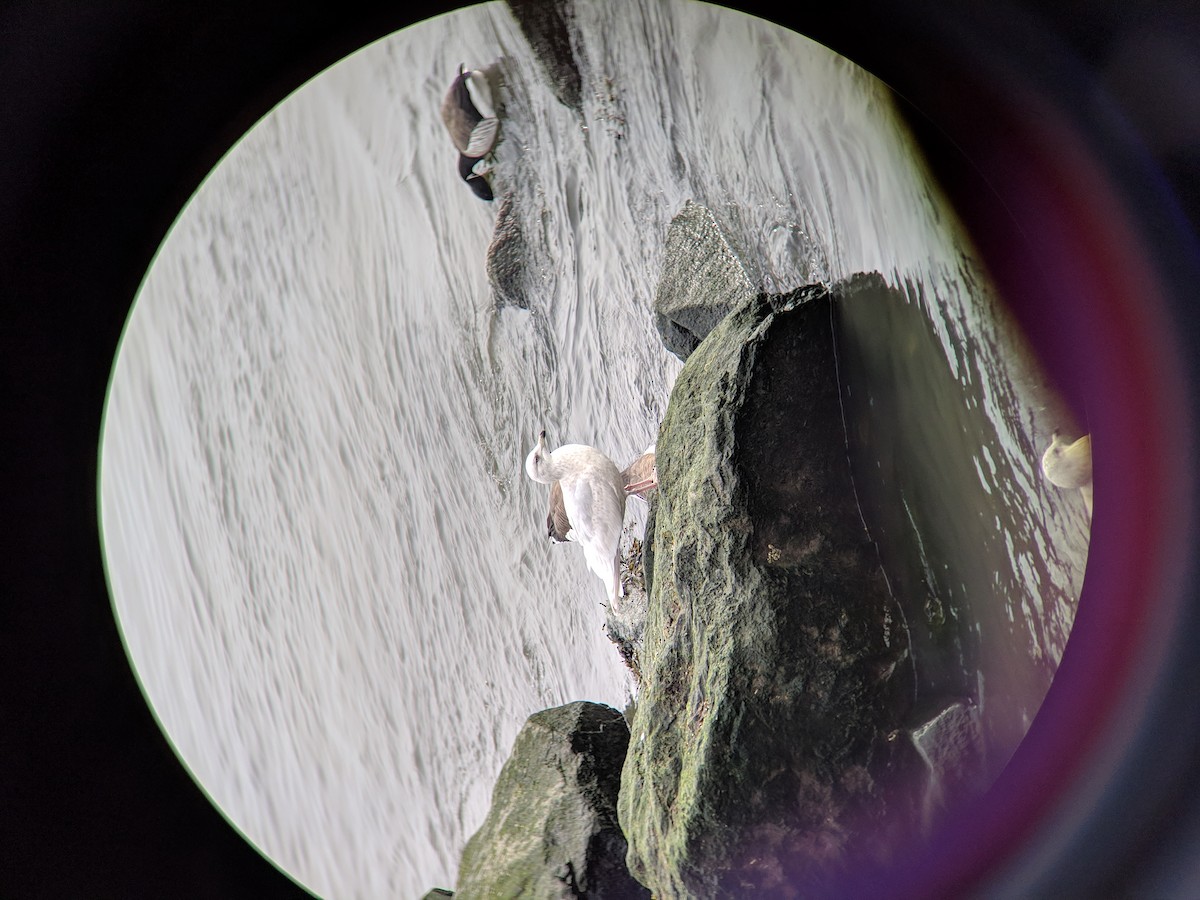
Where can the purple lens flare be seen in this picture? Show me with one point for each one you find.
(1078, 270)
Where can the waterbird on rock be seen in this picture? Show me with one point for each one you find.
(593, 492)
(1069, 465)
(468, 115)
(640, 477)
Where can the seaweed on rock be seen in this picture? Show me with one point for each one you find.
(766, 748)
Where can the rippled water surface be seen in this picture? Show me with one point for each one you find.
(328, 565)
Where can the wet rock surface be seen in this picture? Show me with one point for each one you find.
(548, 26)
(625, 623)
(950, 741)
(507, 257)
(552, 829)
(766, 748)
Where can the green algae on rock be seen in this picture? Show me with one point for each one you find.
(552, 829)
(766, 749)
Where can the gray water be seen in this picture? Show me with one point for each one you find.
(327, 563)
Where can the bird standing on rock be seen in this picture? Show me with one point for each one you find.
(640, 477)
(593, 492)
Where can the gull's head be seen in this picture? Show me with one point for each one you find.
(1052, 454)
(537, 463)
(1058, 445)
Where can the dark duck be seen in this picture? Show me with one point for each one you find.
(471, 120)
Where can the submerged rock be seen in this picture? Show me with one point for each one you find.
(702, 281)
(547, 25)
(507, 258)
(552, 829)
(766, 749)
(951, 744)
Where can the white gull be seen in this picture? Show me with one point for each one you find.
(593, 491)
(640, 477)
(1069, 465)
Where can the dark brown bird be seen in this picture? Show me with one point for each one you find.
(640, 478)
(468, 115)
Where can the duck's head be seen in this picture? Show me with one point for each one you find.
(477, 181)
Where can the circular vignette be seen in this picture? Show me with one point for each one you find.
(105, 139)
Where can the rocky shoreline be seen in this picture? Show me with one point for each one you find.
(772, 743)
(800, 714)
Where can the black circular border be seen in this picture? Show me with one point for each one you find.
(113, 114)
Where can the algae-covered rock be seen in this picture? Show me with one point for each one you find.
(764, 753)
(702, 280)
(552, 829)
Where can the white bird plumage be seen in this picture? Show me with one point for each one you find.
(640, 477)
(1069, 465)
(594, 495)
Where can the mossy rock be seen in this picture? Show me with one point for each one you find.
(764, 753)
(552, 829)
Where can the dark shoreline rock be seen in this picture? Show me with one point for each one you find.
(547, 25)
(507, 257)
(552, 829)
(765, 752)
